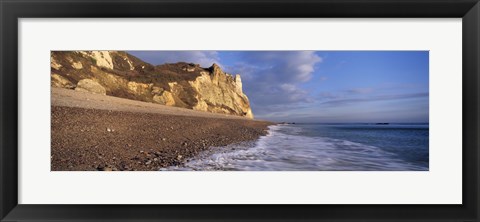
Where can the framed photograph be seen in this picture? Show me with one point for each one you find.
(276, 110)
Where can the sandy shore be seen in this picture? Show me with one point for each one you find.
(95, 132)
(72, 98)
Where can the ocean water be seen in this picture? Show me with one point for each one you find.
(324, 147)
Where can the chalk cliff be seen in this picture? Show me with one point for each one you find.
(120, 74)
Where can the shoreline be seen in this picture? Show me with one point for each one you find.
(94, 139)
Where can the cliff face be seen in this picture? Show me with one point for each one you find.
(180, 84)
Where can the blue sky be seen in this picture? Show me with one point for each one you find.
(323, 86)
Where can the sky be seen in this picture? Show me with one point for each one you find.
(323, 86)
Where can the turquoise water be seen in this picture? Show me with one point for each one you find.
(324, 147)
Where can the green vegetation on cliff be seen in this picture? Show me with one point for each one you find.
(120, 74)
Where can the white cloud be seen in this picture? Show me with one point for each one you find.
(286, 66)
(276, 75)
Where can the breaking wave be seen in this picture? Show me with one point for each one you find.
(286, 149)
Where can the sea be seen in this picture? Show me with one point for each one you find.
(323, 147)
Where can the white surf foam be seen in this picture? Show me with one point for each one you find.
(279, 151)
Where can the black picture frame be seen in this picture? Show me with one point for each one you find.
(12, 10)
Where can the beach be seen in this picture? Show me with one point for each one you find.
(97, 132)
